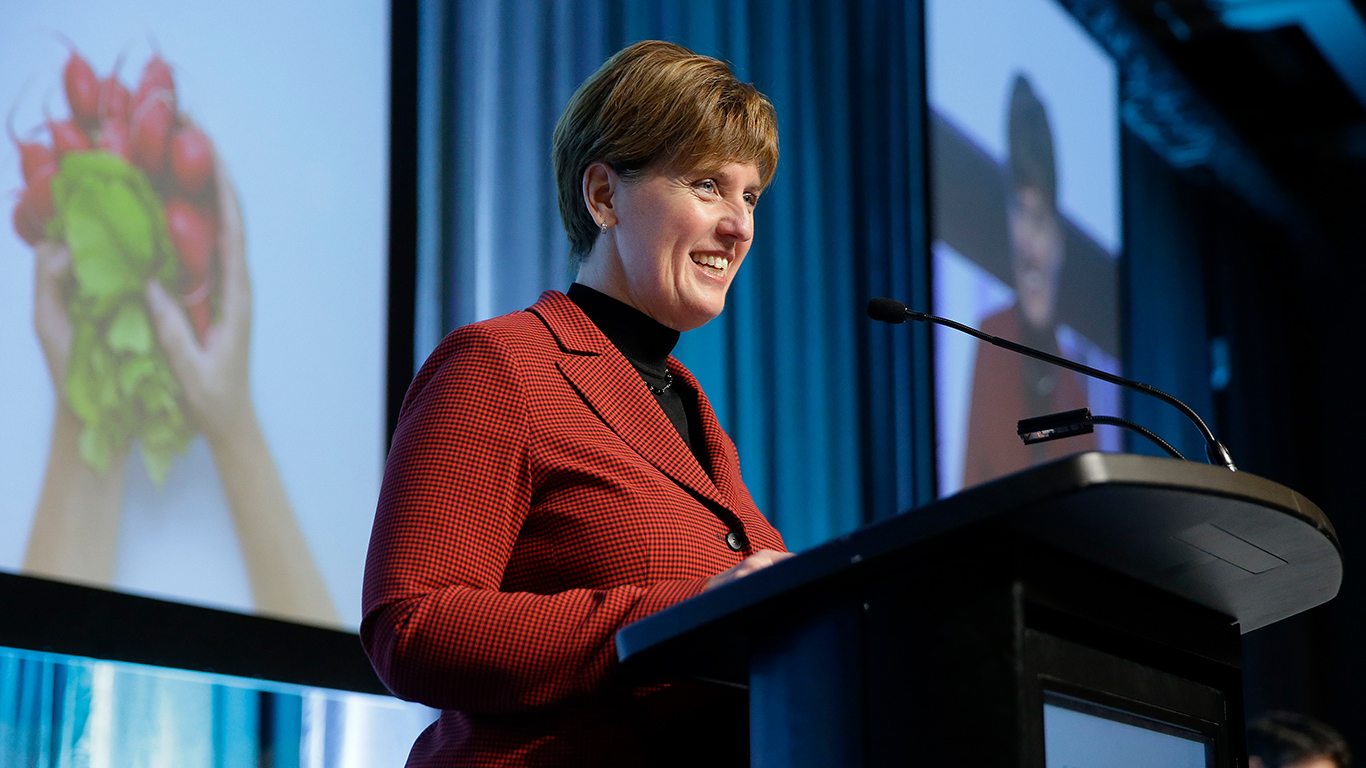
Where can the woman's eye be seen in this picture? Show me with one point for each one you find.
(707, 185)
(751, 200)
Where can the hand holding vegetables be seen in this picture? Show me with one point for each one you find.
(116, 379)
(121, 197)
(214, 375)
(143, 309)
(52, 274)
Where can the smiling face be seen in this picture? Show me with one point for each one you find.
(674, 240)
(1037, 255)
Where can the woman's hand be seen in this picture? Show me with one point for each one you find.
(285, 580)
(75, 528)
(214, 376)
(761, 559)
(51, 272)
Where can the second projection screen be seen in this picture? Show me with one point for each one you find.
(1024, 151)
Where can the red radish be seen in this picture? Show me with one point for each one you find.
(151, 131)
(40, 191)
(36, 157)
(35, 207)
(191, 158)
(82, 88)
(192, 234)
(156, 78)
(67, 137)
(114, 138)
(33, 155)
(27, 223)
(115, 100)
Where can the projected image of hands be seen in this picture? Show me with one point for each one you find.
(105, 219)
(142, 306)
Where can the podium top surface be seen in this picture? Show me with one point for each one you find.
(1241, 545)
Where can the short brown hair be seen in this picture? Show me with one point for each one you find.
(1286, 738)
(1030, 140)
(656, 105)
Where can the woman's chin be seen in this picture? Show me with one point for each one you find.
(694, 314)
(703, 306)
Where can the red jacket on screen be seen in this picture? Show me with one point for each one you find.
(537, 499)
(998, 403)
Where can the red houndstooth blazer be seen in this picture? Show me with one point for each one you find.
(537, 499)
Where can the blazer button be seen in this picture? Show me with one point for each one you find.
(736, 540)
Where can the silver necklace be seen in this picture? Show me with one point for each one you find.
(668, 382)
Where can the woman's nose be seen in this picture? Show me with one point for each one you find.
(737, 223)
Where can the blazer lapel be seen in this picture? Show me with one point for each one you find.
(712, 436)
(611, 386)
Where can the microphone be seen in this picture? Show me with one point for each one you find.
(893, 311)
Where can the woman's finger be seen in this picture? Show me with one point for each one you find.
(762, 559)
(766, 557)
(755, 562)
(176, 336)
(52, 264)
(54, 259)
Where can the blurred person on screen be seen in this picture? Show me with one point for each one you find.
(1293, 740)
(556, 474)
(75, 531)
(1006, 386)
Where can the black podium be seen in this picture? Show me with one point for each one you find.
(1090, 606)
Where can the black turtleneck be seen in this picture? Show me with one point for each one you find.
(646, 344)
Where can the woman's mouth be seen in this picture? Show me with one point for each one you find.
(711, 264)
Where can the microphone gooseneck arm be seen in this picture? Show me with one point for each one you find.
(1139, 429)
(893, 311)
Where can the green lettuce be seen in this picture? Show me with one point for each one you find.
(117, 379)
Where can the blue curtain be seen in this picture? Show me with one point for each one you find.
(59, 711)
(1167, 341)
(823, 409)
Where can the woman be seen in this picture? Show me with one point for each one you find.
(556, 475)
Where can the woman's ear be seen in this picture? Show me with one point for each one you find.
(599, 187)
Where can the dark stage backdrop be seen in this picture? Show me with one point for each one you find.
(822, 408)
(832, 414)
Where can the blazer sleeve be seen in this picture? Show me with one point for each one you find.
(457, 487)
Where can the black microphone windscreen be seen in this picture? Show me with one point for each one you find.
(887, 310)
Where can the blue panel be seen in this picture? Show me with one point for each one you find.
(58, 711)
